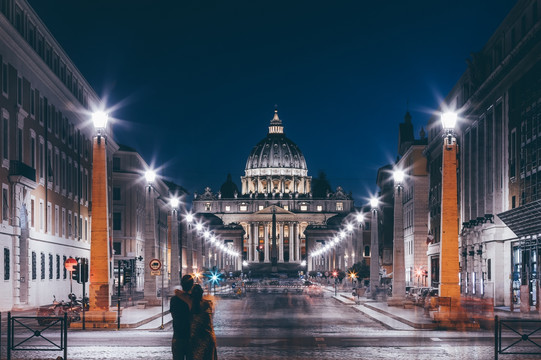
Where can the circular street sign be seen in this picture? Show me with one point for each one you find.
(155, 264)
(70, 264)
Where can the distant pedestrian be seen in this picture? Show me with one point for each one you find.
(180, 307)
(202, 339)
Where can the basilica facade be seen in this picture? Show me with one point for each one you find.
(273, 210)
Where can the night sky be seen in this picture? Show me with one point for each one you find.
(197, 81)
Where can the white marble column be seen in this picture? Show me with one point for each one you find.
(250, 240)
(281, 248)
(298, 244)
(266, 231)
(291, 241)
(255, 242)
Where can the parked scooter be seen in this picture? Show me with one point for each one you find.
(72, 308)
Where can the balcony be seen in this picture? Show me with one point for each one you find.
(21, 173)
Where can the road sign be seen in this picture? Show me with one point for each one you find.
(70, 264)
(155, 272)
(155, 264)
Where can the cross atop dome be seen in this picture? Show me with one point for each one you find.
(276, 124)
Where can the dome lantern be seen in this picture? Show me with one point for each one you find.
(276, 124)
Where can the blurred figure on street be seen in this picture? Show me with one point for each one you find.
(202, 339)
(180, 307)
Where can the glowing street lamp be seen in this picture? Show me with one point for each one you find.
(449, 262)
(99, 299)
(175, 260)
(374, 247)
(399, 272)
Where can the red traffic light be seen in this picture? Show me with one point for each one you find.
(334, 273)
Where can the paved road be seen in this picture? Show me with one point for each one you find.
(270, 326)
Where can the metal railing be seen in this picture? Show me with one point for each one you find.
(34, 337)
(525, 337)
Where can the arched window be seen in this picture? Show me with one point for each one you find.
(367, 251)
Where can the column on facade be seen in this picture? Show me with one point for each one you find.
(298, 244)
(253, 244)
(291, 241)
(281, 247)
(266, 232)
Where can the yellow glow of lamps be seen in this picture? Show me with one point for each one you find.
(448, 120)
(150, 175)
(99, 118)
(398, 176)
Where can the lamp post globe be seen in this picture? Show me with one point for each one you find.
(150, 176)
(174, 203)
(99, 119)
(374, 202)
(398, 176)
(360, 218)
(448, 121)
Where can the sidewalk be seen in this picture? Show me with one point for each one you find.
(399, 318)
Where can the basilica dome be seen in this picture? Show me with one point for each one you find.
(273, 157)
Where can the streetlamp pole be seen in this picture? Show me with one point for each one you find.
(175, 246)
(449, 262)
(374, 248)
(399, 273)
(152, 251)
(99, 299)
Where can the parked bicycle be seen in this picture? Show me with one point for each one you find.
(73, 308)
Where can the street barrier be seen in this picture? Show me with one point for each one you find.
(25, 333)
(525, 337)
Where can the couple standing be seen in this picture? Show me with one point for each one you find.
(193, 334)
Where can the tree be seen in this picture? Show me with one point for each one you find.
(361, 269)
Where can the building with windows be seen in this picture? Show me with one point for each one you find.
(46, 157)
(498, 99)
(417, 238)
(271, 213)
(144, 226)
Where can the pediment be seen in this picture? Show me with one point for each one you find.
(269, 210)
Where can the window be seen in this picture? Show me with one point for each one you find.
(32, 213)
(42, 266)
(116, 193)
(261, 207)
(33, 152)
(34, 266)
(5, 79)
(56, 220)
(49, 223)
(227, 208)
(366, 251)
(58, 267)
(319, 208)
(69, 225)
(63, 222)
(41, 159)
(7, 271)
(117, 221)
(339, 206)
(243, 207)
(117, 248)
(489, 269)
(304, 207)
(32, 102)
(20, 144)
(5, 204)
(75, 230)
(286, 207)
(50, 266)
(64, 270)
(5, 135)
(19, 91)
(208, 207)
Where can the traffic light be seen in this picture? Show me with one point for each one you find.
(83, 274)
(75, 274)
